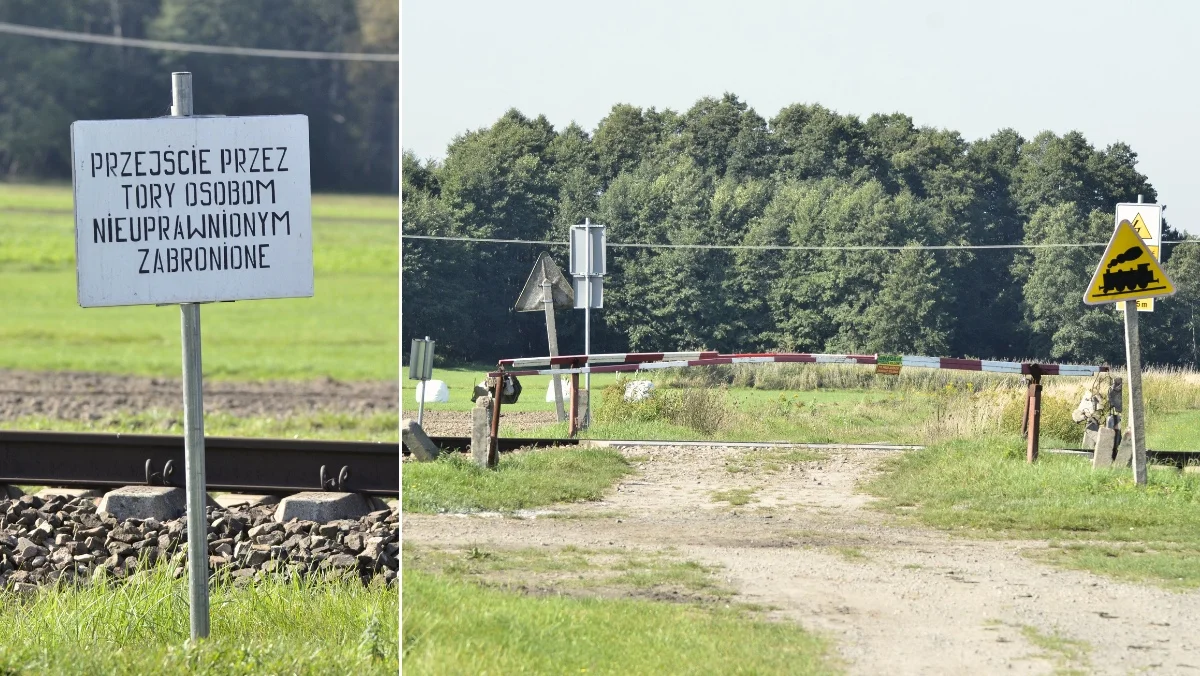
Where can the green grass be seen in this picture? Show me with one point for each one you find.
(853, 554)
(141, 627)
(455, 627)
(522, 480)
(736, 497)
(377, 427)
(769, 460)
(985, 487)
(1066, 653)
(575, 571)
(348, 330)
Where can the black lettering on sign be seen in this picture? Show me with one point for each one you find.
(125, 165)
(253, 161)
(142, 268)
(110, 164)
(280, 166)
(284, 218)
(204, 162)
(157, 163)
(97, 163)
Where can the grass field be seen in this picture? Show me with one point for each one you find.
(348, 330)
(141, 627)
(521, 481)
(1095, 520)
(834, 404)
(448, 622)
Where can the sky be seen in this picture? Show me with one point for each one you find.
(1115, 71)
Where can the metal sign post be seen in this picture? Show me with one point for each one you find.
(184, 212)
(1127, 272)
(588, 266)
(193, 422)
(544, 291)
(420, 368)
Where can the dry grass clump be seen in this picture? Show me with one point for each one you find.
(706, 409)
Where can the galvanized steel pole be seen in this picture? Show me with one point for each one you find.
(193, 422)
(587, 306)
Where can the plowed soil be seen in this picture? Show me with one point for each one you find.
(91, 396)
(894, 598)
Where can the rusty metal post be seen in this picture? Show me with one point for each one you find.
(1025, 415)
(494, 446)
(1033, 403)
(573, 425)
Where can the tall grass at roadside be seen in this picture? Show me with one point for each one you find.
(985, 486)
(918, 406)
(141, 626)
(526, 479)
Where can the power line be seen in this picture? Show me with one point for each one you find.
(116, 41)
(784, 247)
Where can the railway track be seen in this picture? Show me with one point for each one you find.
(507, 444)
(79, 460)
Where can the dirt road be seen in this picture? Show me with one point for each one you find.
(894, 598)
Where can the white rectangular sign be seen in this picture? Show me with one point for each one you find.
(580, 266)
(192, 209)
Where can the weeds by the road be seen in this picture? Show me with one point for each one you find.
(141, 627)
(575, 571)
(986, 487)
(446, 621)
(1069, 655)
(736, 497)
(525, 479)
(769, 460)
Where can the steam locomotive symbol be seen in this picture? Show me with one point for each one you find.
(1127, 280)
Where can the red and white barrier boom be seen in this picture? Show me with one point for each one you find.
(574, 365)
(643, 361)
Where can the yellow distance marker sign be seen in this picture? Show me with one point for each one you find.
(1128, 271)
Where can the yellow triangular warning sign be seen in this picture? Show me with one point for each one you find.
(1139, 226)
(1128, 271)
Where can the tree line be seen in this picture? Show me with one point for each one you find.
(45, 85)
(720, 173)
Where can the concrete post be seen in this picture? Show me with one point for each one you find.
(481, 430)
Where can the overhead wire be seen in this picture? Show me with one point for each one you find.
(787, 247)
(164, 45)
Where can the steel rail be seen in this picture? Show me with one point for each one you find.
(1178, 459)
(88, 460)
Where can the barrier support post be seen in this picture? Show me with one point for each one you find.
(1033, 406)
(494, 446)
(573, 425)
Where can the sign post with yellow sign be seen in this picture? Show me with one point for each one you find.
(1128, 272)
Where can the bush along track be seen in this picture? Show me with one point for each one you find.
(66, 540)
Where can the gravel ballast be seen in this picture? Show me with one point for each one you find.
(66, 539)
